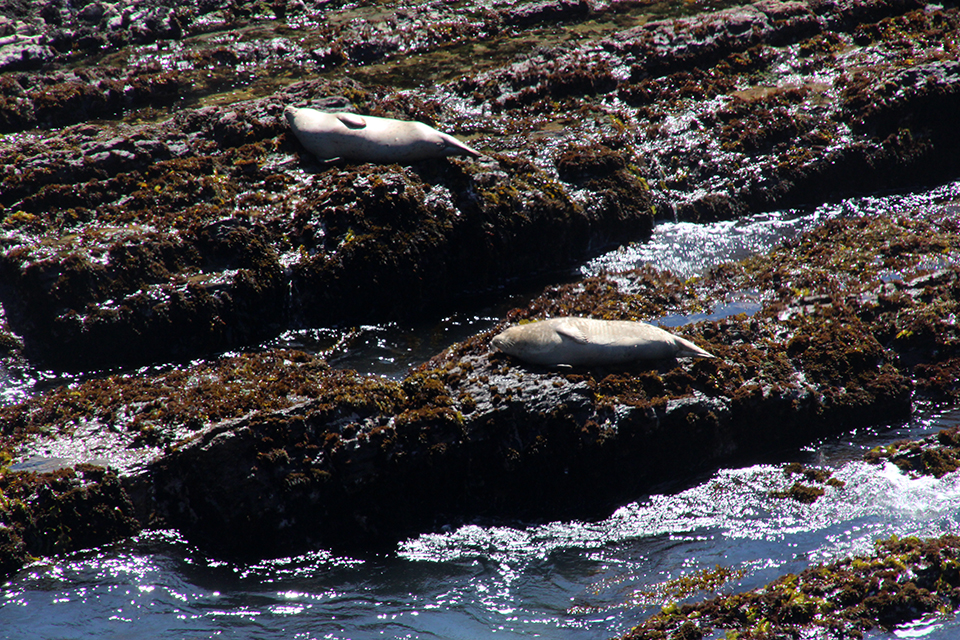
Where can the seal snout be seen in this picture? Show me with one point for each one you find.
(290, 113)
(470, 151)
(461, 148)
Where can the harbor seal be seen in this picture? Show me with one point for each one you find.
(588, 342)
(331, 136)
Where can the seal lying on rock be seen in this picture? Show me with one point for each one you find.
(331, 136)
(587, 341)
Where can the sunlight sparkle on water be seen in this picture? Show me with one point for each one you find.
(925, 627)
(565, 580)
(735, 504)
(689, 249)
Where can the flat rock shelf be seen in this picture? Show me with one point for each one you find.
(160, 223)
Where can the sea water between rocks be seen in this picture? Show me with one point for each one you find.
(571, 580)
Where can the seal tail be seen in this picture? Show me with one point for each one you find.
(686, 349)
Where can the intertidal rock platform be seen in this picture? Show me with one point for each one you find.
(159, 223)
(273, 452)
(150, 214)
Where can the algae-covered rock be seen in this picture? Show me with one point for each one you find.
(195, 236)
(385, 242)
(902, 580)
(44, 514)
(811, 487)
(273, 452)
(114, 234)
(195, 223)
(476, 433)
(935, 455)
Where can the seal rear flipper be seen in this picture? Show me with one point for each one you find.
(686, 349)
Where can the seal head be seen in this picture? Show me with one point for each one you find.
(334, 135)
(590, 342)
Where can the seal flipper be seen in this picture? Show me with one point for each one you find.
(570, 331)
(453, 147)
(687, 349)
(351, 120)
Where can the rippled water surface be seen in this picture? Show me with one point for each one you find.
(577, 580)
(689, 249)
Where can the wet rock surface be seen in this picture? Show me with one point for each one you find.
(903, 580)
(934, 456)
(154, 208)
(811, 484)
(187, 237)
(177, 226)
(78, 507)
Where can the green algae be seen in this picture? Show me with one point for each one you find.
(219, 162)
(669, 591)
(302, 435)
(831, 319)
(176, 402)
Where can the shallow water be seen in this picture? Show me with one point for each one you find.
(689, 249)
(576, 580)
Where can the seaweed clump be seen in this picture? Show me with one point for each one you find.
(901, 581)
(934, 456)
(811, 491)
(43, 514)
(165, 407)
